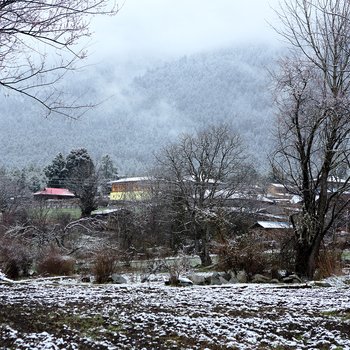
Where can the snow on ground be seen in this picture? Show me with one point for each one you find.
(154, 316)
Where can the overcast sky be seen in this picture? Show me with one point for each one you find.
(173, 28)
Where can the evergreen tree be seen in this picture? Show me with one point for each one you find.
(107, 171)
(82, 179)
(56, 172)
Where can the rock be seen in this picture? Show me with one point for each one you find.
(322, 284)
(144, 279)
(86, 279)
(232, 273)
(257, 278)
(183, 281)
(242, 277)
(223, 280)
(118, 279)
(225, 275)
(215, 279)
(233, 280)
(197, 279)
(292, 279)
(276, 274)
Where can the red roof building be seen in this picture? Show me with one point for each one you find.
(54, 193)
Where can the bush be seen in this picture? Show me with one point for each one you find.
(246, 252)
(55, 264)
(104, 266)
(177, 267)
(63, 219)
(15, 258)
(286, 259)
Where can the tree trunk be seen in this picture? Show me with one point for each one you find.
(204, 249)
(205, 257)
(305, 260)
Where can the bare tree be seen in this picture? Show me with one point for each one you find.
(313, 153)
(201, 173)
(38, 45)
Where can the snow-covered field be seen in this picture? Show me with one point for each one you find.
(153, 316)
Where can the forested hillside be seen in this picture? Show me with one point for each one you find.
(140, 113)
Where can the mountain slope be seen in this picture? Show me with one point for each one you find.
(140, 116)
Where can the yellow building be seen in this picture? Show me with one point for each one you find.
(131, 189)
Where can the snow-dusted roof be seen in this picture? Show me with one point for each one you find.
(277, 185)
(192, 178)
(51, 191)
(105, 211)
(131, 179)
(273, 224)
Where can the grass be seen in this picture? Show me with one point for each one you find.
(75, 213)
(54, 213)
(344, 315)
(93, 326)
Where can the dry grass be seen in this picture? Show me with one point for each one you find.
(329, 263)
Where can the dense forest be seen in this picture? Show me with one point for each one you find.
(141, 111)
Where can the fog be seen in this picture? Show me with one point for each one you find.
(157, 69)
(167, 28)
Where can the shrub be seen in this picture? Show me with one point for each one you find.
(104, 266)
(246, 253)
(177, 267)
(55, 264)
(15, 258)
(286, 259)
(63, 219)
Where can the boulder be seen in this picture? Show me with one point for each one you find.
(86, 279)
(258, 278)
(197, 279)
(118, 279)
(233, 280)
(291, 279)
(183, 281)
(226, 275)
(223, 280)
(242, 277)
(322, 284)
(215, 279)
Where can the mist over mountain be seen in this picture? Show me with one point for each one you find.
(144, 111)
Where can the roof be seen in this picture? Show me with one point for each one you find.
(277, 185)
(273, 224)
(105, 211)
(51, 191)
(131, 179)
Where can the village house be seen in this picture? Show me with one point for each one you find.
(131, 189)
